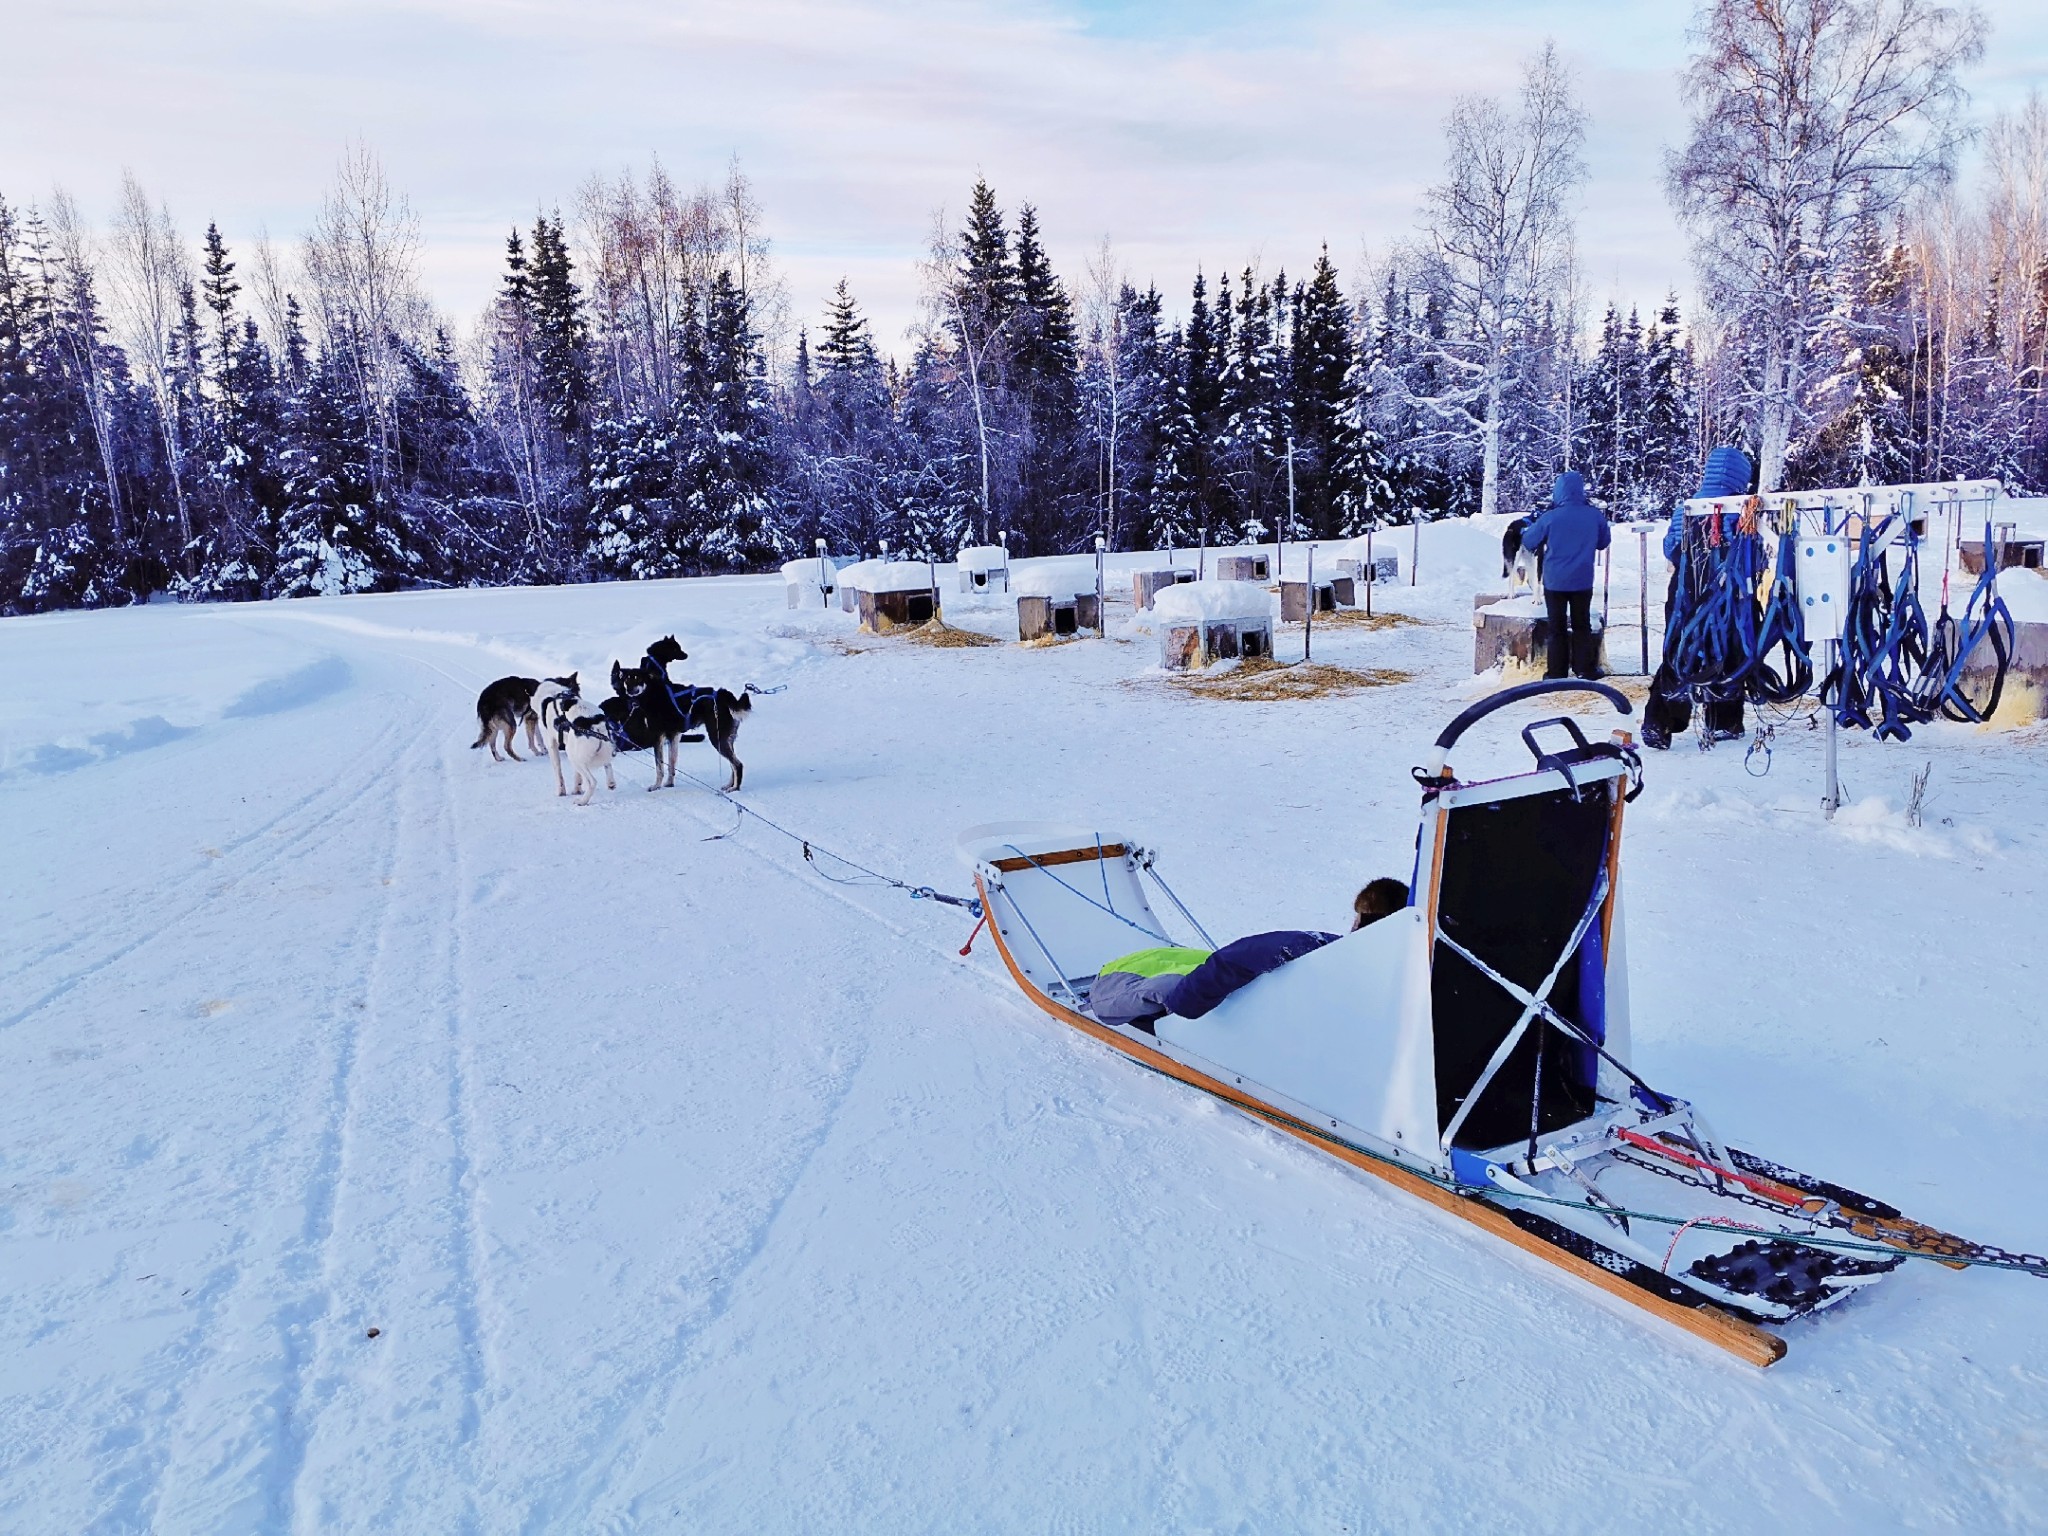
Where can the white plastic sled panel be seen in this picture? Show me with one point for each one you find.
(1062, 921)
(1345, 1030)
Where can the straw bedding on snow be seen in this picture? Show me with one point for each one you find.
(937, 632)
(1266, 682)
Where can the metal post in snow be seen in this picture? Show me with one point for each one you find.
(1202, 558)
(1101, 618)
(824, 588)
(1832, 800)
(1371, 571)
(1643, 594)
(1308, 609)
(1280, 535)
(1415, 553)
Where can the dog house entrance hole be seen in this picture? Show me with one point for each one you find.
(918, 608)
(1066, 619)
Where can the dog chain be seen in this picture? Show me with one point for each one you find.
(1907, 1236)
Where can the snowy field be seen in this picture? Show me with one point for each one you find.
(686, 1191)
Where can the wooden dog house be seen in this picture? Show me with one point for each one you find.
(1381, 568)
(1146, 585)
(1517, 629)
(895, 594)
(1244, 565)
(1202, 622)
(1294, 598)
(984, 568)
(1056, 598)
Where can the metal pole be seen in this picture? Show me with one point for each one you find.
(1101, 618)
(1832, 800)
(1280, 537)
(1202, 558)
(1371, 571)
(824, 587)
(1643, 594)
(1415, 554)
(1308, 609)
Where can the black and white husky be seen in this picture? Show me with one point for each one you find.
(587, 738)
(1522, 567)
(554, 696)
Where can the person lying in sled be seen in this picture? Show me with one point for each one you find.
(1141, 987)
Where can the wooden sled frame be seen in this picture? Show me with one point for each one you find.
(1093, 864)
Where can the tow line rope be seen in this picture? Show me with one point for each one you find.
(813, 851)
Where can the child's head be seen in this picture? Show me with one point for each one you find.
(1382, 898)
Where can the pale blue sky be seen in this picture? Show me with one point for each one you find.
(1186, 130)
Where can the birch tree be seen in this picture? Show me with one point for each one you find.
(151, 269)
(1500, 230)
(360, 259)
(71, 248)
(1806, 115)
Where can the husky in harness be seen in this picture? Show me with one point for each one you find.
(660, 714)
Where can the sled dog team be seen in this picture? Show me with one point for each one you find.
(646, 712)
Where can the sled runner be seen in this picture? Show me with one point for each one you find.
(1473, 1049)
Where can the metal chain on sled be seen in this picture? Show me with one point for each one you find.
(1912, 1236)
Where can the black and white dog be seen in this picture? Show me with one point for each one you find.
(554, 698)
(1522, 567)
(662, 714)
(589, 740)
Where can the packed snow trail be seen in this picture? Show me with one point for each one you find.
(688, 1191)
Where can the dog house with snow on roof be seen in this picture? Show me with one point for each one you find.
(1055, 599)
(985, 568)
(811, 583)
(894, 594)
(1201, 622)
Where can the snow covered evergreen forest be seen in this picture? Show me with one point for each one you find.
(216, 420)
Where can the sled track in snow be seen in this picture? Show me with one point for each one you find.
(297, 839)
(593, 1500)
(427, 876)
(176, 1444)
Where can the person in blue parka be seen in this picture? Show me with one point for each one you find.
(1727, 472)
(1570, 537)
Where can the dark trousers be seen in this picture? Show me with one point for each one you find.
(1573, 649)
(1664, 716)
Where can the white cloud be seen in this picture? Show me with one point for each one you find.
(1186, 134)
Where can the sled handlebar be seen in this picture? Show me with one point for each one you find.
(1448, 737)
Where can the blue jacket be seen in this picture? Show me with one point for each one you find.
(1235, 964)
(1727, 474)
(1570, 534)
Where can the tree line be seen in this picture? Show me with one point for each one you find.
(636, 401)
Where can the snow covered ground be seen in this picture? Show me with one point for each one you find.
(685, 1190)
